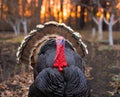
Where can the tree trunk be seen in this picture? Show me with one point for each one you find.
(100, 33)
(110, 35)
(15, 29)
(1, 9)
(24, 22)
(82, 23)
(61, 11)
(99, 24)
(18, 27)
(93, 32)
(110, 25)
(38, 11)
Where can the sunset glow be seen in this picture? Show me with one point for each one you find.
(78, 11)
(107, 16)
(118, 6)
(20, 8)
(29, 1)
(54, 10)
(85, 14)
(100, 12)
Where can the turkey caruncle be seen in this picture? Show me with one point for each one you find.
(56, 53)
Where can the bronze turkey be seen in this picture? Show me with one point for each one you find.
(56, 54)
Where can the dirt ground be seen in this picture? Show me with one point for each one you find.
(105, 71)
(102, 68)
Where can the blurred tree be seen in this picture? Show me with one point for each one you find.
(24, 13)
(108, 9)
(19, 12)
(39, 8)
(84, 5)
(61, 9)
(13, 17)
(1, 8)
(35, 9)
(110, 26)
(99, 22)
(80, 14)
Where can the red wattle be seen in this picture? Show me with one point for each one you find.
(60, 60)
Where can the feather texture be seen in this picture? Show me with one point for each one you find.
(29, 48)
(40, 48)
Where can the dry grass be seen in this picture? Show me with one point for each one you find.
(10, 38)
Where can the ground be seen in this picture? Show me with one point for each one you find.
(102, 67)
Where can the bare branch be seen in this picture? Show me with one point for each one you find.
(116, 21)
(95, 20)
(106, 21)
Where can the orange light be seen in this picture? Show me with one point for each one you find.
(107, 15)
(29, 1)
(107, 3)
(60, 20)
(60, 17)
(85, 13)
(78, 11)
(79, 8)
(72, 14)
(59, 14)
(27, 13)
(78, 15)
(43, 10)
(5, 8)
(102, 15)
(51, 2)
(36, 3)
(118, 6)
(65, 14)
(100, 12)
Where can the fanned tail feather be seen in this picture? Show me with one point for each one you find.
(29, 48)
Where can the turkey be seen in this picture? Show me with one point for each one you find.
(56, 54)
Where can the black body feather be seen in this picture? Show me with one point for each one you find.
(49, 82)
